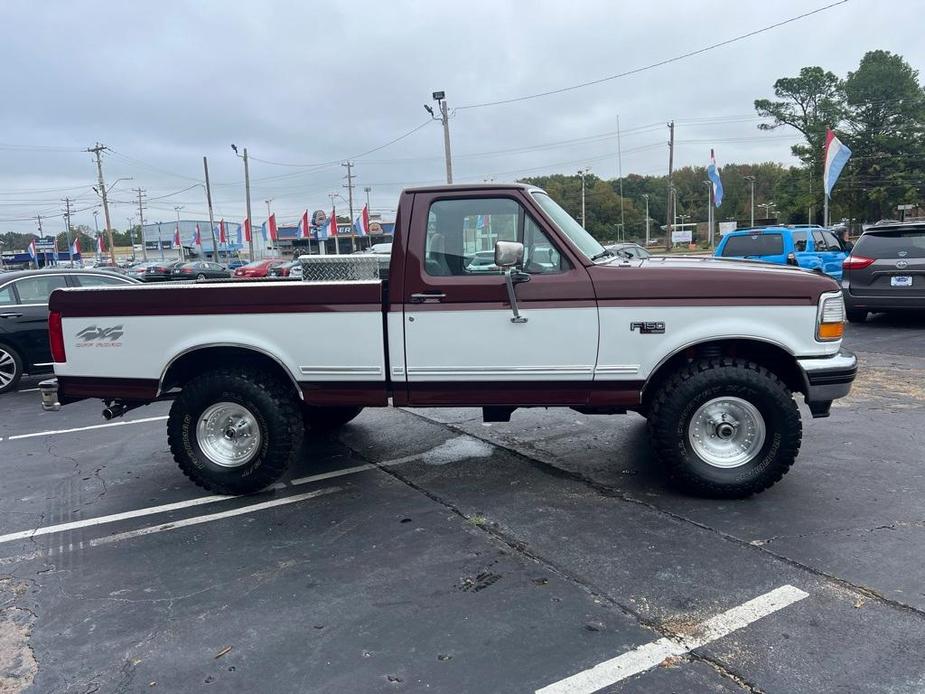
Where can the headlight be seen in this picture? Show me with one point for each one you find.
(830, 318)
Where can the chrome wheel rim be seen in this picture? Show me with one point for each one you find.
(228, 434)
(200, 276)
(7, 368)
(727, 432)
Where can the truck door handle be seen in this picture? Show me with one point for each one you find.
(429, 297)
(10, 315)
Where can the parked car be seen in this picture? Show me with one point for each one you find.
(808, 247)
(886, 271)
(258, 268)
(630, 251)
(199, 270)
(153, 270)
(286, 269)
(24, 316)
(712, 353)
(482, 261)
(379, 249)
(235, 264)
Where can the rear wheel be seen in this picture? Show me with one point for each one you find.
(725, 428)
(328, 418)
(234, 433)
(10, 368)
(856, 316)
(200, 276)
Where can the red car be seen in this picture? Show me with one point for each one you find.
(258, 268)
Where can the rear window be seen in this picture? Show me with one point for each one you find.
(757, 244)
(890, 244)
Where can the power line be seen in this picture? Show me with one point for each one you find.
(667, 61)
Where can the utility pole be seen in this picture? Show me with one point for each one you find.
(141, 223)
(38, 217)
(334, 222)
(367, 189)
(349, 186)
(620, 174)
(751, 180)
(247, 195)
(205, 166)
(444, 118)
(96, 225)
(670, 172)
(98, 150)
(67, 228)
(709, 184)
(646, 196)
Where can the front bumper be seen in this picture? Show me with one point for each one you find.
(828, 378)
(49, 390)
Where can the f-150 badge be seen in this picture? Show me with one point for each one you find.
(648, 327)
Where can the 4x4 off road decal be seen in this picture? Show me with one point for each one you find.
(93, 336)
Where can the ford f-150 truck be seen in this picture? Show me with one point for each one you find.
(711, 352)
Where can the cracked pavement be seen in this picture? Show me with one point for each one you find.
(464, 557)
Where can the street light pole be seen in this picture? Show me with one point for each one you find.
(709, 184)
(646, 196)
(367, 189)
(444, 118)
(582, 173)
(751, 180)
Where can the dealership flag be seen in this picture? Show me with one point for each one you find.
(176, 236)
(361, 223)
(100, 245)
(33, 251)
(197, 239)
(304, 229)
(221, 232)
(332, 224)
(836, 156)
(713, 175)
(247, 230)
(271, 226)
(75, 247)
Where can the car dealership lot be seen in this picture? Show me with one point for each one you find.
(425, 550)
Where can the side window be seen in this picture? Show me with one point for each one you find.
(98, 281)
(461, 237)
(831, 241)
(799, 241)
(819, 241)
(7, 297)
(36, 290)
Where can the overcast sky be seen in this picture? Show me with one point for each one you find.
(164, 83)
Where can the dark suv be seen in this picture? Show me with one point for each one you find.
(886, 270)
(24, 316)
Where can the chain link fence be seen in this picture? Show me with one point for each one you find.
(343, 268)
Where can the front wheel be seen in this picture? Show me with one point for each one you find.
(234, 432)
(725, 428)
(10, 369)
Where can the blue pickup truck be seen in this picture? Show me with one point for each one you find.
(809, 247)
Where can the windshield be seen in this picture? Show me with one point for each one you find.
(586, 243)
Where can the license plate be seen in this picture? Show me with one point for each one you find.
(901, 281)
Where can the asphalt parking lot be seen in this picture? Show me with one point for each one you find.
(426, 551)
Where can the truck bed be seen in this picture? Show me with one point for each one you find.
(118, 340)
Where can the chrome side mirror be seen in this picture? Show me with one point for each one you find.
(508, 253)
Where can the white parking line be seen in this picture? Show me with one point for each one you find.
(54, 432)
(651, 654)
(28, 390)
(197, 520)
(165, 508)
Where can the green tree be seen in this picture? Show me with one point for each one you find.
(886, 124)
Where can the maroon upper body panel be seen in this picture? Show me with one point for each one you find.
(706, 282)
(238, 297)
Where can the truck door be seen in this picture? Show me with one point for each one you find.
(461, 345)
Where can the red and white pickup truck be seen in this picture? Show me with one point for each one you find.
(712, 352)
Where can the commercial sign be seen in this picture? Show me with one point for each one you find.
(682, 236)
(726, 227)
